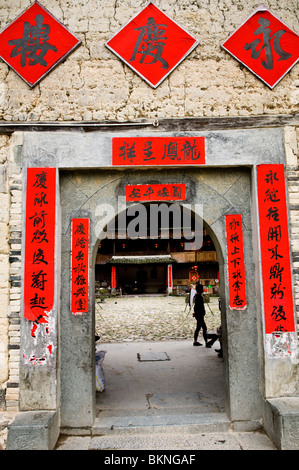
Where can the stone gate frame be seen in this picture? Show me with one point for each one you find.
(269, 379)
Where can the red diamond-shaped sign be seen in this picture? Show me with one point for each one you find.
(152, 44)
(265, 45)
(34, 43)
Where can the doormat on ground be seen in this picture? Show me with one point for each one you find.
(152, 356)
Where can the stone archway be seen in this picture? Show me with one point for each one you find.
(130, 384)
(220, 193)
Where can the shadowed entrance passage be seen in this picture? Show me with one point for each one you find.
(185, 389)
(151, 367)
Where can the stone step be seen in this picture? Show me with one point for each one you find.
(130, 422)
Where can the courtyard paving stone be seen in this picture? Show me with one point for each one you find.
(150, 318)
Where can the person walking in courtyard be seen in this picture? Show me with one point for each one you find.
(192, 295)
(199, 313)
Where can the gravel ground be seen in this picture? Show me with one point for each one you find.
(150, 318)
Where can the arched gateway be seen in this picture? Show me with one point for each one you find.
(90, 175)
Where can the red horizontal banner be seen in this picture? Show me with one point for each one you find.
(80, 266)
(39, 268)
(275, 249)
(155, 192)
(143, 151)
(235, 259)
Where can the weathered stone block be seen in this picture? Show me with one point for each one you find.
(4, 207)
(33, 430)
(281, 422)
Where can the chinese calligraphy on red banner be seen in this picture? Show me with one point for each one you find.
(80, 266)
(39, 267)
(265, 45)
(34, 43)
(275, 249)
(235, 259)
(113, 277)
(158, 151)
(169, 276)
(155, 192)
(152, 44)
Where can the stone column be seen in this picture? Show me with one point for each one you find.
(36, 426)
(39, 350)
(77, 349)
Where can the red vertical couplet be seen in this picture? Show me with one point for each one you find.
(113, 277)
(39, 266)
(80, 266)
(169, 276)
(275, 249)
(235, 260)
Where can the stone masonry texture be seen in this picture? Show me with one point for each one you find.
(94, 84)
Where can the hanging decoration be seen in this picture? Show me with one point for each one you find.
(193, 275)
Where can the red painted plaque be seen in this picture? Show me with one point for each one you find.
(34, 43)
(155, 192)
(265, 45)
(146, 151)
(80, 266)
(235, 259)
(39, 266)
(152, 44)
(275, 249)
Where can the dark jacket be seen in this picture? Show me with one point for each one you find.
(199, 308)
